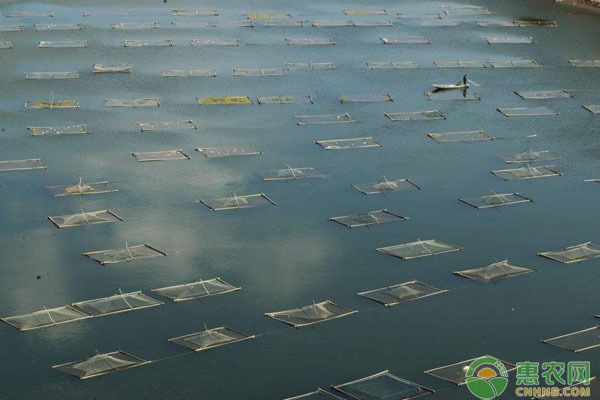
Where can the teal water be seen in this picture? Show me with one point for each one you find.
(290, 255)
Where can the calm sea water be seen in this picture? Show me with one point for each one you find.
(290, 255)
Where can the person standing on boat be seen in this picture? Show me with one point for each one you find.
(465, 80)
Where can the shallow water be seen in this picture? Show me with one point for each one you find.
(290, 255)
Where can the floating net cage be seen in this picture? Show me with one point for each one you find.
(574, 254)
(293, 174)
(496, 23)
(594, 109)
(21, 165)
(527, 172)
(12, 28)
(515, 64)
(401, 293)
(438, 23)
(419, 16)
(197, 12)
(196, 290)
(309, 42)
(369, 218)
(6, 45)
(229, 151)
(81, 189)
(221, 24)
(211, 338)
(45, 318)
(405, 40)
(585, 63)
(141, 102)
(430, 115)
(464, 10)
(318, 394)
(535, 22)
(371, 23)
(285, 99)
(109, 13)
(495, 200)
(116, 304)
(542, 94)
(461, 64)
(392, 65)
(52, 75)
(346, 144)
(57, 27)
(330, 23)
(215, 42)
(323, 119)
(579, 341)
(456, 373)
(165, 155)
(310, 66)
(259, 71)
(117, 68)
(383, 385)
(263, 16)
(366, 98)
(466, 136)
(85, 218)
(283, 23)
(494, 272)
(129, 26)
(58, 130)
(21, 14)
(528, 156)
(148, 43)
(386, 186)
(509, 40)
(189, 73)
(167, 125)
(312, 314)
(527, 112)
(50, 105)
(225, 100)
(452, 95)
(63, 44)
(101, 364)
(420, 248)
(363, 11)
(125, 254)
(236, 202)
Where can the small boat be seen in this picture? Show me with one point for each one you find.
(450, 86)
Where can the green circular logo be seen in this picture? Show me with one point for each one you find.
(487, 378)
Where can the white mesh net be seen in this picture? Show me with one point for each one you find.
(58, 130)
(403, 292)
(494, 272)
(210, 338)
(345, 144)
(574, 254)
(118, 303)
(420, 248)
(101, 364)
(385, 185)
(196, 290)
(21, 165)
(125, 254)
(45, 318)
(312, 314)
